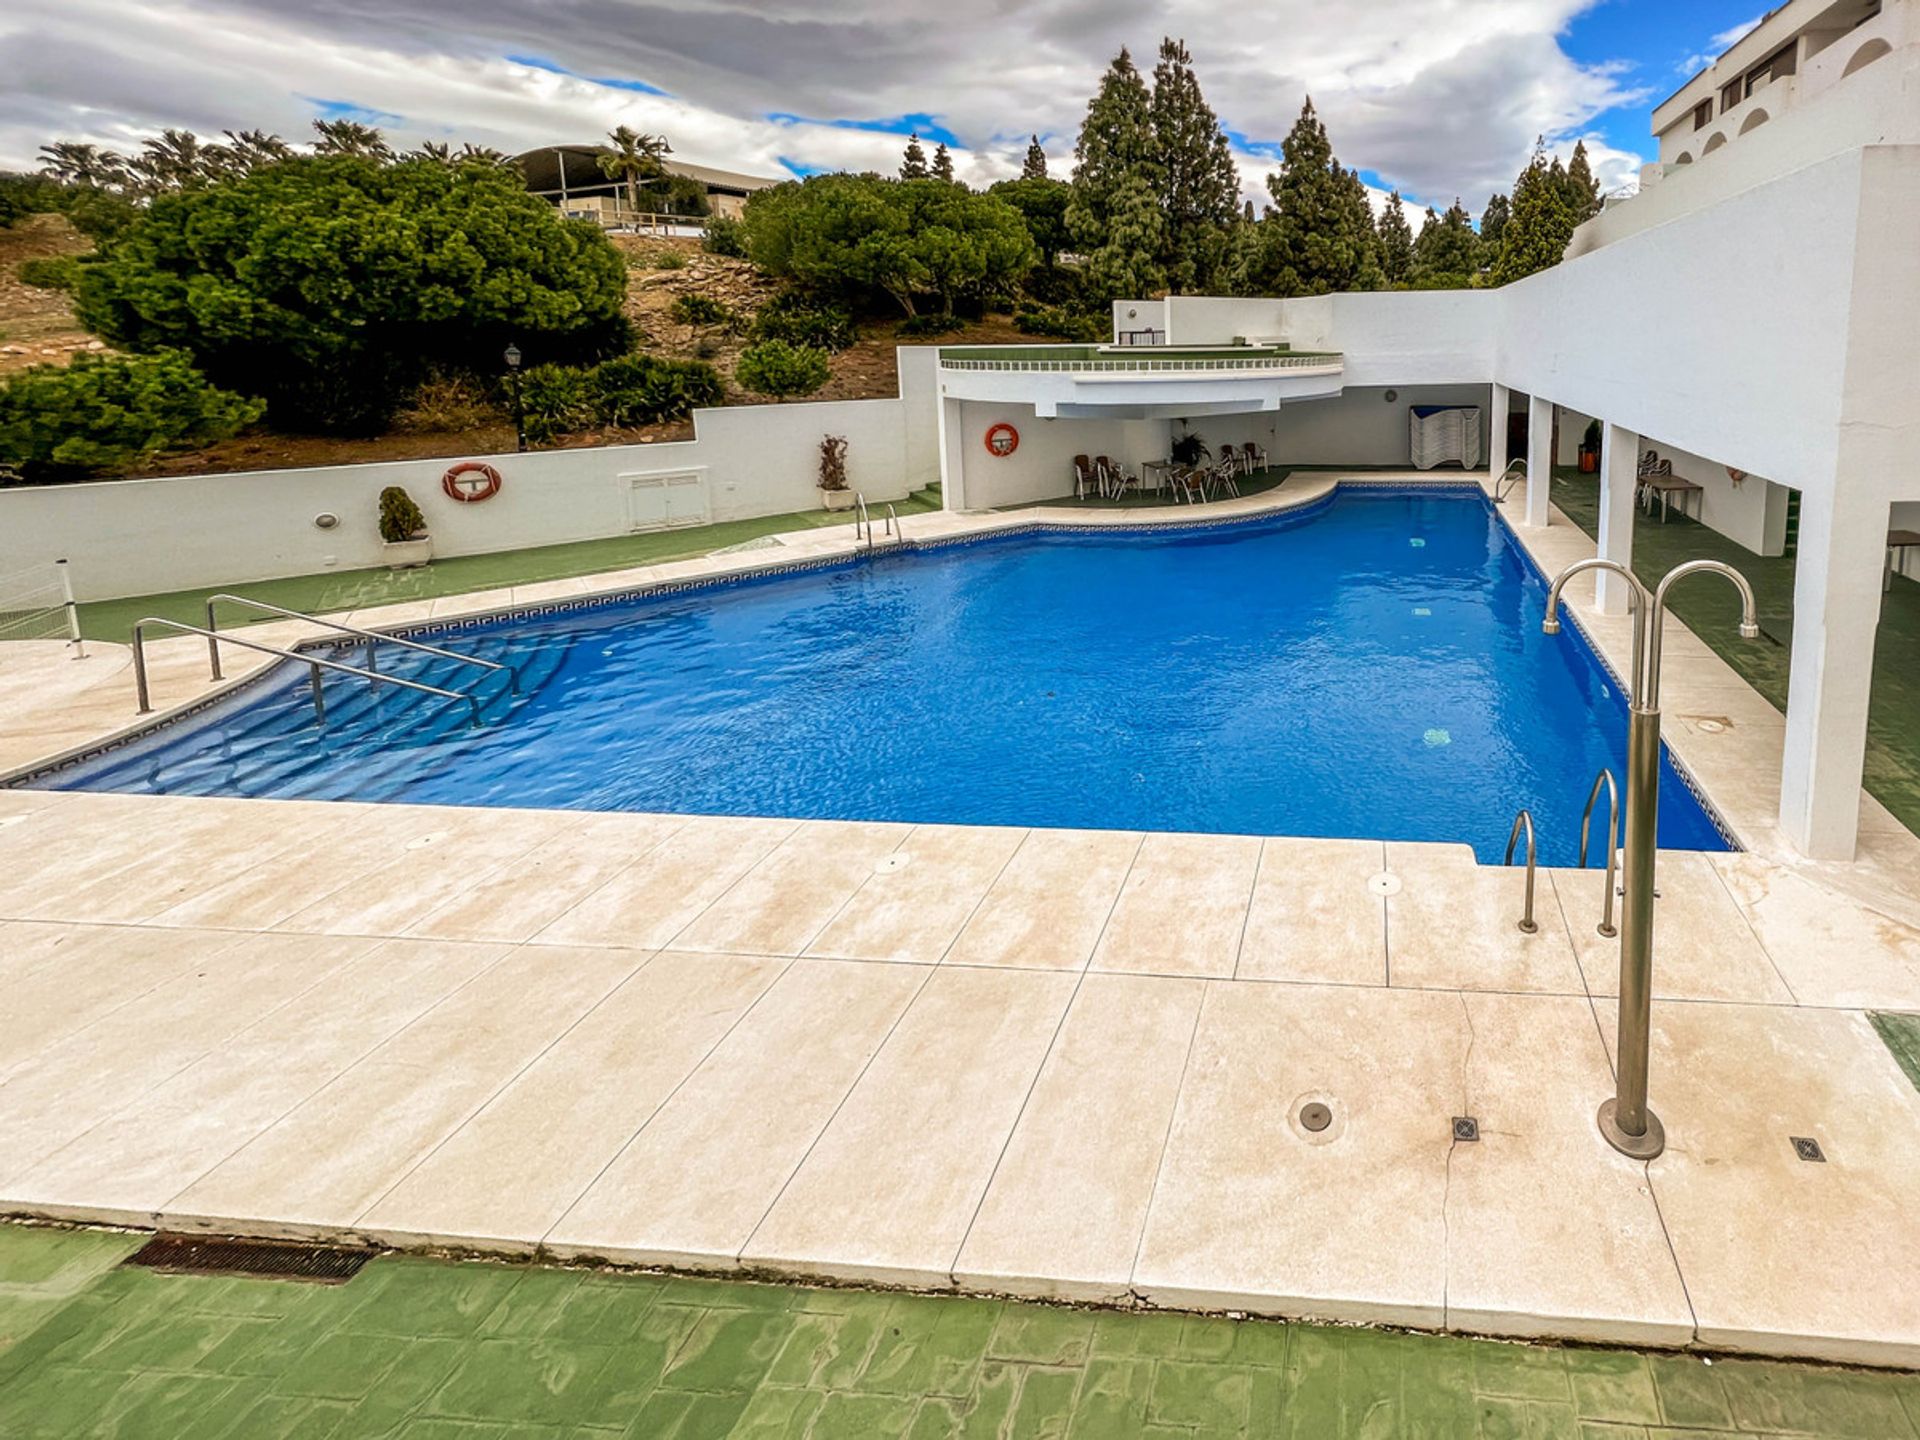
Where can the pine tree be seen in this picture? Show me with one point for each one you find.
(942, 163)
(1114, 212)
(1447, 254)
(1316, 240)
(1537, 232)
(1036, 164)
(1582, 190)
(1199, 187)
(1493, 223)
(1369, 273)
(913, 166)
(1396, 241)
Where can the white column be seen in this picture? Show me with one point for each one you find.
(1539, 459)
(1836, 608)
(1619, 468)
(953, 462)
(1497, 431)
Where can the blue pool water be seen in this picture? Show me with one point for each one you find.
(1371, 666)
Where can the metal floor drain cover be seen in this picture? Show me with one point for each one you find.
(1465, 1127)
(1808, 1148)
(276, 1259)
(1315, 1117)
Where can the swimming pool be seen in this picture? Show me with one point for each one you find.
(1370, 665)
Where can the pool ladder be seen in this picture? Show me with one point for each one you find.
(211, 631)
(863, 522)
(1523, 825)
(1513, 475)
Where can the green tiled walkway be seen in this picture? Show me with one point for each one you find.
(436, 1351)
(1712, 610)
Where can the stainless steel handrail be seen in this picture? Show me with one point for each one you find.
(893, 523)
(1515, 472)
(1605, 777)
(862, 521)
(313, 663)
(1524, 821)
(213, 645)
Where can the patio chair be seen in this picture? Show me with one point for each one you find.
(1085, 478)
(1114, 477)
(1256, 457)
(1651, 465)
(1189, 485)
(1223, 477)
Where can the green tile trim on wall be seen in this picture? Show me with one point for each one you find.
(422, 1348)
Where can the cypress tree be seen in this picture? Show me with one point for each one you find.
(1114, 211)
(1582, 190)
(1199, 188)
(1493, 223)
(1035, 167)
(942, 163)
(913, 166)
(1396, 241)
(1316, 241)
(1541, 223)
(1447, 254)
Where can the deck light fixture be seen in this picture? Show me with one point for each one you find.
(512, 357)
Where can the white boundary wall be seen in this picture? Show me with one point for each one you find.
(141, 537)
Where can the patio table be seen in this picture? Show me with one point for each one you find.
(1159, 472)
(1666, 487)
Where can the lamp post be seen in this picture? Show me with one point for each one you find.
(1626, 1120)
(512, 358)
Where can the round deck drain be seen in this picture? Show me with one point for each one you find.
(1385, 883)
(1712, 727)
(887, 864)
(1315, 1117)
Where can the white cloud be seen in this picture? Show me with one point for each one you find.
(1436, 97)
(1718, 46)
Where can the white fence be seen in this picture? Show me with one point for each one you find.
(142, 537)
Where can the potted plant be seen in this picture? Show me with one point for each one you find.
(1189, 450)
(1590, 449)
(403, 530)
(834, 492)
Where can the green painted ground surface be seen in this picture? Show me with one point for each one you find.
(1902, 1035)
(353, 589)
(433, 1351)
(1711, 608)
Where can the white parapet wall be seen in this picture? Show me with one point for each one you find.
(143, 537)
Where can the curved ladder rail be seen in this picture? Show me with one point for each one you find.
(213, 642)
(1513, 475)
(313, 663)
(1605, 777)
(862, 521)
(893, 525)
(1524, 821)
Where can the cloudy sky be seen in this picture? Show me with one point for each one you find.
(1436, 97)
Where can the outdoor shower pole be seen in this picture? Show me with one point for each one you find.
(1625, 1119)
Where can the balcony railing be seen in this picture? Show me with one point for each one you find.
(1144, 364)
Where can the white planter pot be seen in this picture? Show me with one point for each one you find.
(407, 554)
(836, 499)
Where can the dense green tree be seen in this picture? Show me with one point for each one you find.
(108, 412)
(328, 284)
(1396, 241)
(1493, 225)
(1035, 167)
(1536, 234)
(1316, 240)
(1199, 188)
(773, 367)
(1447, 253)
(907, 239)
(1114, 211)
(913, 164)
(1582, 190)
(1042, 203)
(942, 163)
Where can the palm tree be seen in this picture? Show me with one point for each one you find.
(251, 149)
(631, 156)
(436, 150)
(349, 137)
(173, 160)
(74, 162)
(472, 154)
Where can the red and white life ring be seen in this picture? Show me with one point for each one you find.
(1736, 475)
(1002, 440)
(471, 481)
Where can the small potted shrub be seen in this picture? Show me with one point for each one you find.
(1590, 449)
(1190, 450)
(403, 530)
(834, 492)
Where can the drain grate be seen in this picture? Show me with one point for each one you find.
(1808, 1149)
(267, 1259)
(1466, 1127)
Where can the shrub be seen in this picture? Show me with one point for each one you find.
(924, 325)
(107, 412)
(555, 399)
(833, 462)
(701, 310)
(799, 319)
(50, 272)
(725, 236)
(1058, 322)
(449, 402)
(23, 195)
(400, 518)
(328, 284)
(645, 390)
(776, 368)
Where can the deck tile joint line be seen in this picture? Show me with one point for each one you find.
(1166, 1140)
(1246, 914)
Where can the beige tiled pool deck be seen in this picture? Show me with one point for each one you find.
(1047, 1063)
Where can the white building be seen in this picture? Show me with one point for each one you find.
(1751, 316)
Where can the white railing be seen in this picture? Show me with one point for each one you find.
(36, 603)
(1143, 366)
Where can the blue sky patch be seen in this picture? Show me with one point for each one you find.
(347, 110)
(554, 67)
(925, 126)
